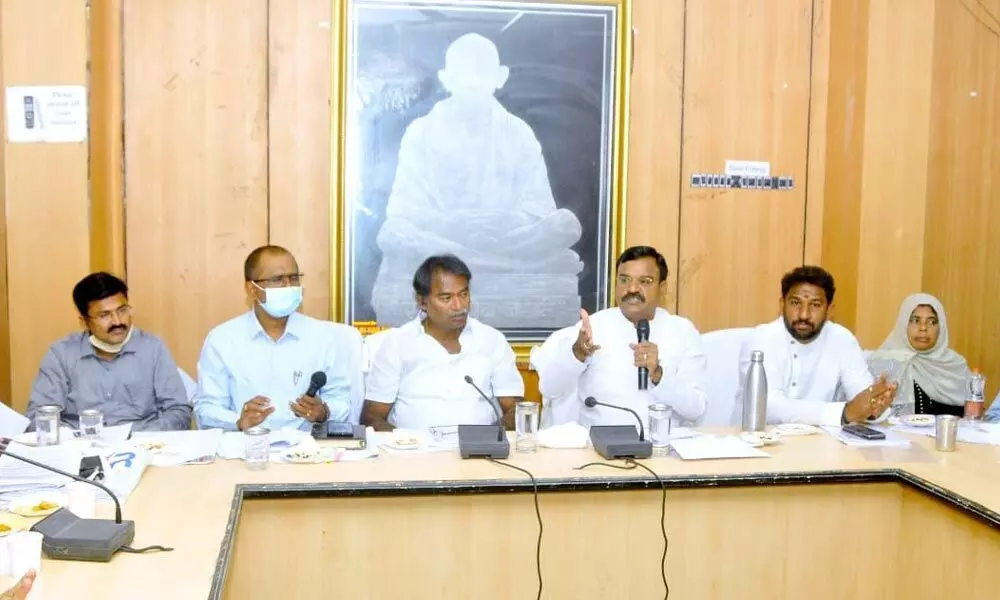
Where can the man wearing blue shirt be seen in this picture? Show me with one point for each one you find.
(255, 368)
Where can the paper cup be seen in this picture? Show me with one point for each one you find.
(82, 498)
(25, 549)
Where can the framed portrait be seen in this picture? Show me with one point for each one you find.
(493, 130)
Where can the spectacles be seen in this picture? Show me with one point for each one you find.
(280, 280)
(625, 280)
(105, 316)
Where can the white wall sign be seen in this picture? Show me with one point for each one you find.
(748, 168)
(53, 113)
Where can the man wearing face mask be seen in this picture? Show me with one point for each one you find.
(600, 355)
(126, 373)
(808, 359)
(417, 379)
(255, 368)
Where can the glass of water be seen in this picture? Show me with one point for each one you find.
(47, 425)
(659, 428)
(526, 425)
(91, 424)
(257, 451)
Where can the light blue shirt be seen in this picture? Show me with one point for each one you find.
(239, 361)
(993, 414)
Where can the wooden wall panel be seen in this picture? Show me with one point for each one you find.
(299, 134)
(196, 161)
(962, 258)
(844, 140)
(45, 188)
(5, 373)
(746, 97)
(654, 146)
(895, 162)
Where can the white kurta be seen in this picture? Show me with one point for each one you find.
(804, 380)
(609, 375)
(426, 385)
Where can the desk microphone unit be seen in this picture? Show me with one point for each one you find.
(619, 441)
(483, 441)
(66, 536)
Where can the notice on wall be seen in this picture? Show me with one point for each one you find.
(47, 114)
(748, 168)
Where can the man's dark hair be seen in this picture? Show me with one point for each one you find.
(816, 276)
(637, 252)
(447, 263)
(94, 287)
(252, 263)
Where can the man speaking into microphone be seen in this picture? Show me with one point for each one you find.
(629, 355)
(444, 367)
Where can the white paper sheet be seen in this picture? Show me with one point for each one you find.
(892, 439)
(711, 446)
(181, 447)
(12, 423)
(232, 444)
(17, 476)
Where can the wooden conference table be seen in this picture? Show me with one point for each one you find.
(816, 520)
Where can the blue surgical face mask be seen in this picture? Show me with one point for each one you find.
(282, 301)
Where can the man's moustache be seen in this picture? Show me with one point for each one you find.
(637, 296)
(117, 328)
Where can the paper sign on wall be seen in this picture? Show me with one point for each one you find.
(748, 168)
(54, 113)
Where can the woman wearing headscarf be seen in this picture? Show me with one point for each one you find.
(934, 377)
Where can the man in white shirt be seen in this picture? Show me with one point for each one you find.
(808, 360)
(255, 369)
(418, 377)
(600, 355)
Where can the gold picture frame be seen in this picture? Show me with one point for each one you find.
(614, 141)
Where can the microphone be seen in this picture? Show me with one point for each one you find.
(316, 382)
(591, 402)
(70, 537)
(642, 333)
(483, 441)
(618, 441)
(496, 411)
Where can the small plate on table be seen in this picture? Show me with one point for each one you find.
(11, 523)
(793, 429)
(37, 505)
(917, 420)
(761, 438)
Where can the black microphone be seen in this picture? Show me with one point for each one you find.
(316, 382)
(642, 333)
(66, 536)
(469, 381)
(3, 452)
(591, 402)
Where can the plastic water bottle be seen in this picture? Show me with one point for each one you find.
(755, 394)
(975, 398)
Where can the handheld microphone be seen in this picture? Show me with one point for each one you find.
(591, 402)
(642, 334)
(69, 537)
(496, 411)
(316, 382)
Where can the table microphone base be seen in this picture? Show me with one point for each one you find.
(66, 536)
(619, 441)
(482, 441)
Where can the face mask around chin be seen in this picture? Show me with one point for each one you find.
(281, 302)
(110, 348)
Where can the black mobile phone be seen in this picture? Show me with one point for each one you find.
(333, 429)
(863, 431)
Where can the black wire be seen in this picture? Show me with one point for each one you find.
(632, 464)
(132, 550)
(538, 514)
(663, 523)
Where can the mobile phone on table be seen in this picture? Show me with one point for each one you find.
(863, 431)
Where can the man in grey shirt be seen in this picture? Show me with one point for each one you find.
(126, 373)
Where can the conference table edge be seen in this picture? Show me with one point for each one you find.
(246, 491)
